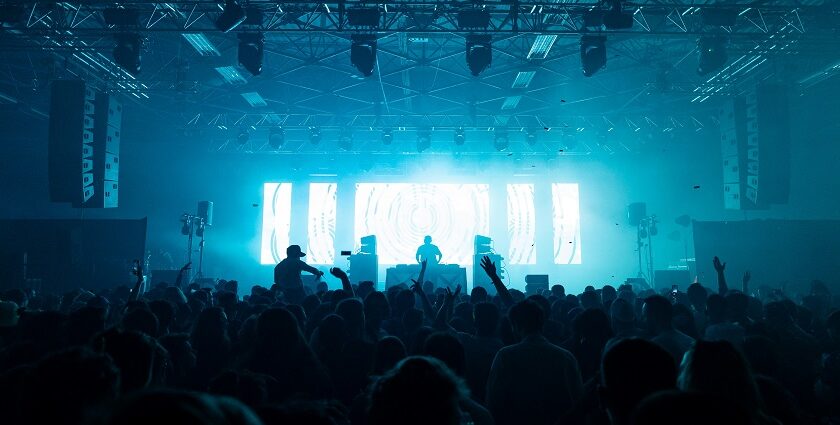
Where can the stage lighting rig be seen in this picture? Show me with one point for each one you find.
(243, 136)
(593, 53)
(363, 53)
(345, 140)
(314, 135)
(460, 137)
(473, 19)
(616, 18)
(712, 52)
(127, 52)
(387, 136)
(276, 137)
(424, 139)
(250, 52)
(367, 17)
(479, 53)
(501, 140)
(531, 136)
(232, 16)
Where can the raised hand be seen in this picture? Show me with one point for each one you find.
(747, 277)
(338, 273)
(457, 292)
(417, 286)
(719, 267)
(423, 266)
(488, 266)
(186, 267)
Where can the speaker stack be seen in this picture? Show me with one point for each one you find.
(755, 145)
(84, 145)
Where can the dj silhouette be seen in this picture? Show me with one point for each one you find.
(428, 252)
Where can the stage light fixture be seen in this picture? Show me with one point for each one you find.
(276, 137)
(127, 52)
(593, 53)
(345, 140)
(712, 52)
(314, 135)
(531, 136)
(460, 137)
(363, 53)
(232, 16)
(387, 136)
(424, 139)
(501, 140)
(479, 53)
(243, 136)
(250, 53)
(617, 19)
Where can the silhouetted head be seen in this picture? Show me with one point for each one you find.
(657, 313)
(590, 299)
(631, 370)
(141, 320)
(716, 367)
(478, 295)
(278, 327)
(389, 351)
(558, 291)
(527, 318)
(689, 408)
(697, 296)
(136, 356)
(377, 307)
(716, 308)
(427, 239)
(608, 294)
(486, 317)
(403, 301)
(181, 407)
(332, 334)
(593, 325)
(70, 382)
(419, 391)
(210, 331)
(621, 314)
(448, 349)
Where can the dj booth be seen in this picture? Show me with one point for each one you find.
(442, 275)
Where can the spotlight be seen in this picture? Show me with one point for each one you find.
(232, 15)
(314, 135)
(345, 140)
(276, 137)
(712, 54)
(616, 19)
(243, 136)
(593, 53)
(250, 52)
(460, 137)
(127, 52)
(501, 141)
(531, 136)
(424, 139)
(363, 53)
(479, 53)
(387, 136)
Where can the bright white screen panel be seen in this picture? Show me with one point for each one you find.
(277, 219)
(400, 214)
(321, 233)
(521, 220)
(565, 205)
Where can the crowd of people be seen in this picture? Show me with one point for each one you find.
(416, 354)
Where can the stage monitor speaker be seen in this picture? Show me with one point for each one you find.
(205, 211)
(540, 279)
(668, 278)
(364, 267)
(636, 212)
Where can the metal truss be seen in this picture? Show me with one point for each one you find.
(673, 18)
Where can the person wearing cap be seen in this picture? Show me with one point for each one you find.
(287, 274)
